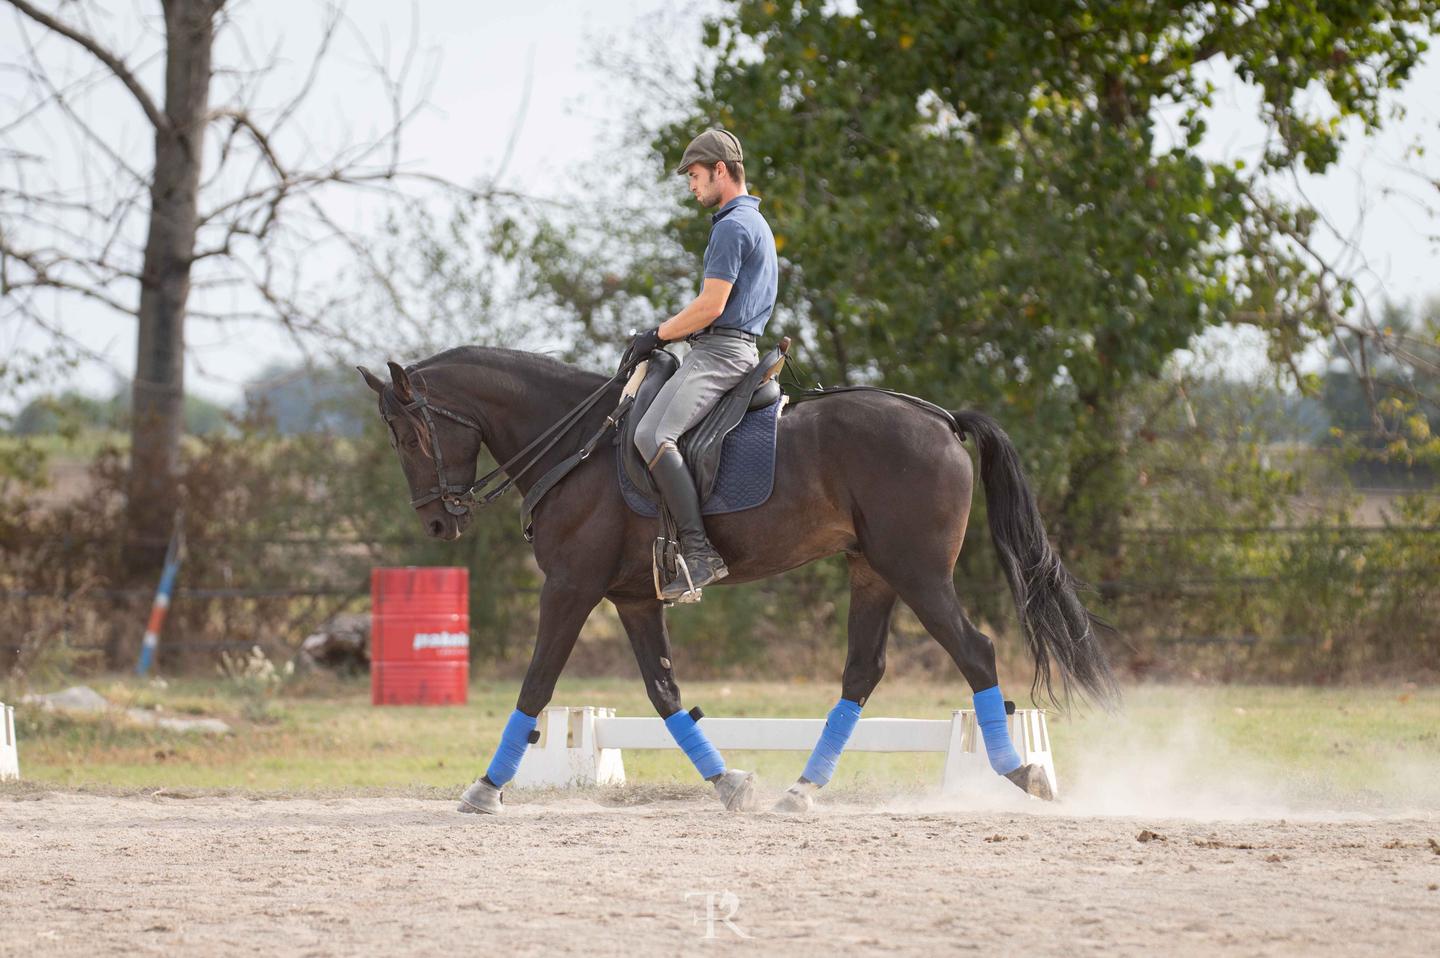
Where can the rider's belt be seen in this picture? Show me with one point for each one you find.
(721, 331)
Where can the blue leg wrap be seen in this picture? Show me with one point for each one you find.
(838, 726)
(990, 713)
(697, 746)
(513, 743)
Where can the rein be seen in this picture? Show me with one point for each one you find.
(456, 497)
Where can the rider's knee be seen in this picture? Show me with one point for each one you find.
(646, 442)
(651, 442)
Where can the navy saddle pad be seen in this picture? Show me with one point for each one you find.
(747, 467)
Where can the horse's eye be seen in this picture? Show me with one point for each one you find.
(412, 443)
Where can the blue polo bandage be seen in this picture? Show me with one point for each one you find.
(695, 744)
(990, 714)
(838, 726)
(513, 743)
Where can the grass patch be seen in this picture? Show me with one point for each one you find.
(323, 736)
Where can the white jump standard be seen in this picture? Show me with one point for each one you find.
(584, 746)
(9, 751)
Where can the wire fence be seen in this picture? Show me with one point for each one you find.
(279, 588)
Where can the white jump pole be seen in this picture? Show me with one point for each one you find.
(582, 746)
(9, 752)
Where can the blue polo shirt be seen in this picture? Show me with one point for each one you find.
(742, 251)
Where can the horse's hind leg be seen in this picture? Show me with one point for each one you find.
(872, 601)
(644, 621)
(931, 595)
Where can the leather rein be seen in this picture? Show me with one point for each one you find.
(458, 497)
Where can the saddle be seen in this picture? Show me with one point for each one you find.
(702, 445)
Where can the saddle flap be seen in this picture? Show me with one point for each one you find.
(701, 446)
(660, 366)
(747, 468)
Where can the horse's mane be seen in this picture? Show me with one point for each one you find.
(511, 360)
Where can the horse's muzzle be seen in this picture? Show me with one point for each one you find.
(446, 525)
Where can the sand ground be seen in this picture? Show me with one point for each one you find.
(597, 874)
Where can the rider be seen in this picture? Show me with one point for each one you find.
(722, 323)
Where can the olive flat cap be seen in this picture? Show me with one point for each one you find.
(712, 146)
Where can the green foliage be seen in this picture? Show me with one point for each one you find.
(307, 398)
(1384, 397)
(281, 531)
(71, 412)
(972, 203)
(23, 463)
(65, 414)
(1245, 558)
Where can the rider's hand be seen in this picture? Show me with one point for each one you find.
(643, 344)
(640, 348)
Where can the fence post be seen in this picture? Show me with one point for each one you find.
(9, 750)
(162, 597)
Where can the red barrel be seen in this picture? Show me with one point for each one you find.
(419, 636)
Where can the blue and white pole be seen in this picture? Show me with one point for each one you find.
(161, 604)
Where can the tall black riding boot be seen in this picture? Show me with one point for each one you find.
(677, 488)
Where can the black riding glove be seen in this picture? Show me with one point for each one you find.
(641, 346)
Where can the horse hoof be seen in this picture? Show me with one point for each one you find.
(736, 789)
(797, 800)
(1032, 780)
(481, 798)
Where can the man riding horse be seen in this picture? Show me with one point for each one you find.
(877, 476)
(721, 324)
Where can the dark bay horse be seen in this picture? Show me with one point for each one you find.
(861, 473)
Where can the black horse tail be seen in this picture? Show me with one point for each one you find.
(1056, 625)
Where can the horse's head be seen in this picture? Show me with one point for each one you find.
(438, 448)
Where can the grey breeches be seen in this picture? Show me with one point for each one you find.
(713, 365)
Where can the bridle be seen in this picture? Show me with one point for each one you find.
(458, 497)
(453, 496)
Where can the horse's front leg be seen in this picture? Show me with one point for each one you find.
(564, 607)
(644, 621)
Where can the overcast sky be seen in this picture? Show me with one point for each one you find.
(483, 52)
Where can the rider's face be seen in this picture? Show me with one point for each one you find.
(703, 184)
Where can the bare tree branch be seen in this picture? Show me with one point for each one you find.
(116, 65)
(520, 113)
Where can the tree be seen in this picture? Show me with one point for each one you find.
(1382, 391)
(231, 197)
(972, 200)
(72, 412)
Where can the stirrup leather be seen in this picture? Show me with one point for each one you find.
(691, 594)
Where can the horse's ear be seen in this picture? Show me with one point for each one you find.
(371, 379)
(401, 381)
